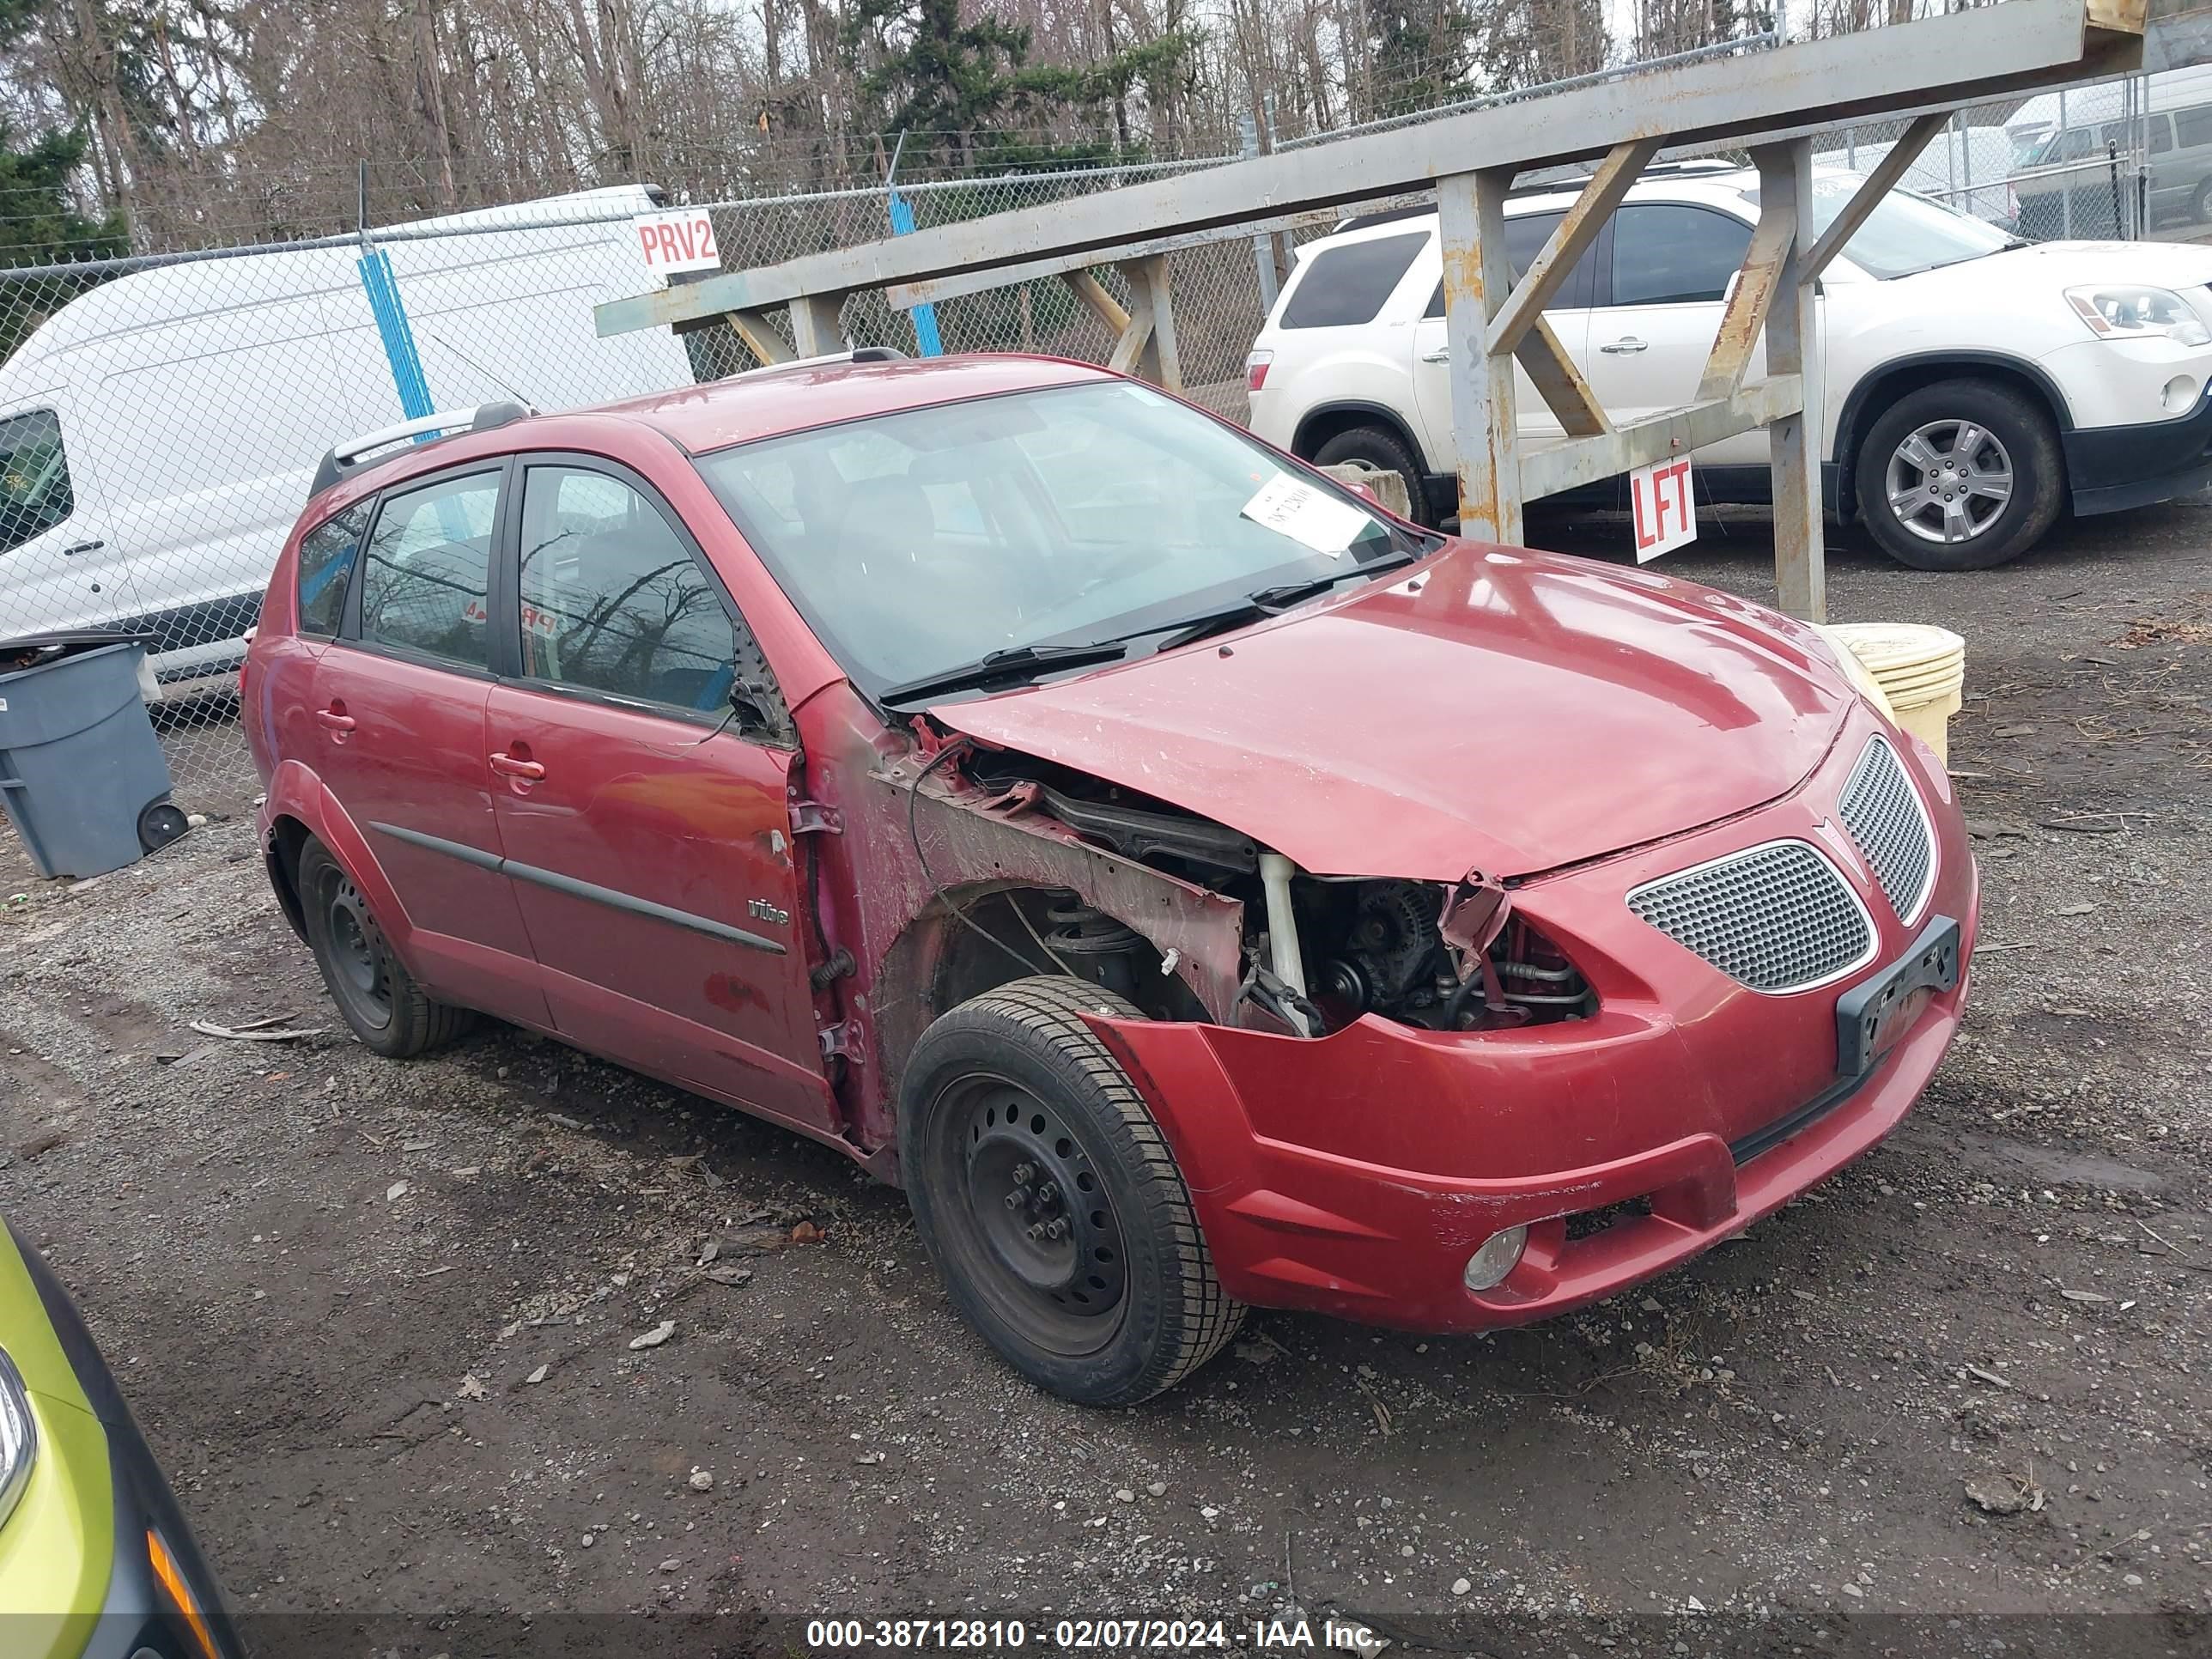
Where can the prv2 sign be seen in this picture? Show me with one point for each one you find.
(678, 241)
(1665, 514)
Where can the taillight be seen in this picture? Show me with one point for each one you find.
(1255, 370)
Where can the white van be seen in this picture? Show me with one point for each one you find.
(158, 433)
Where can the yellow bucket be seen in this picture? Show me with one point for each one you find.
(1921, 669)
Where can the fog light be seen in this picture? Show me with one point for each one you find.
(2179, 393)
(1500, 1254)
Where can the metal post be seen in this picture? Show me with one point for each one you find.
(1471, 229)
(2065, 177)
(1793, 347)
(814, 325)
(1263, 246)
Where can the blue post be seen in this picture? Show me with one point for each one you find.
(925, 340)
(384, 304)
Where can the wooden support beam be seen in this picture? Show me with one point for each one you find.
(1793, 351)
(1982, 52)
(1745, 315)
(1569, 240)
(1555, 376)
(1578, 461)
(1151, 332)
(1093, 292)
(760, 337)
(1881, 179)
(904, 296)
(815, 327)
(1471, 232)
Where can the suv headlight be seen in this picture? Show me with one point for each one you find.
(19, 1438)
(2138, 313)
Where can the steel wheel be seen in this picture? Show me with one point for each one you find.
(1949, 481)
(1032, 1225)
(360, 976)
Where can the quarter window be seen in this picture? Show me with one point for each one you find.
(612, 599)
(425, 584)
(34, 480)
(1664, 254)
(327, 554)
(1346, 285)
(2193, 127)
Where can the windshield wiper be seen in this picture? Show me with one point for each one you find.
(1271, 601)
(1007, 664)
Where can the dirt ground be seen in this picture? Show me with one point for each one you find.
(377, 1318)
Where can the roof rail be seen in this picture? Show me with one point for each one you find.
(351, 455)
(866, 354)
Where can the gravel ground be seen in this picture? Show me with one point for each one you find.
(378, 1319)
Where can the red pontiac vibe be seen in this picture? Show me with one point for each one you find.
(1198, 889)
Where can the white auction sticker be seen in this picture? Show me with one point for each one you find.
(681, 240)
(1306, 515)
(1666, 511)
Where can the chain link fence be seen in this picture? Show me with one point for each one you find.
(161, 416)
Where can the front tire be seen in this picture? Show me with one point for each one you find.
(1959, 476)
(1386, 452)
(388, 1011)
(1050, 1203)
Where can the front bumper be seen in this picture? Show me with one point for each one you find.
(1354, 1174)
(2111, 468)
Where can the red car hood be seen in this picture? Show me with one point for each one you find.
(1498, 710)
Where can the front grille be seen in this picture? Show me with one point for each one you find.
(1778, 917)
(1882, 811)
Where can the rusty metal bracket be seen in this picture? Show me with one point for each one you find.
(812, 816)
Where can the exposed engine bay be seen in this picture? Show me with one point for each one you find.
(1355, 946)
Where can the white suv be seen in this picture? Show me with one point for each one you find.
(1974, 385)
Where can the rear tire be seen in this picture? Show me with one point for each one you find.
(1931, 467)
(1049, 1201)
(388, 1011)
(1386, 452)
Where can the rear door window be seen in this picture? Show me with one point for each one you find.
(1525, 236)
(2193, 127)
(1666, 254)
(1346, 285)
(34, 478)
(327, 555)
(425, 581)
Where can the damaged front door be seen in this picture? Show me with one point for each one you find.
(643, 812)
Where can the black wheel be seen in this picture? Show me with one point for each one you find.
(2200, 206)
(380, 999)
(1386, 452)
(1959, 476)
(1047, 1197)
(159, 825)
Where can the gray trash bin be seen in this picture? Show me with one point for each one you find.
(82, 775)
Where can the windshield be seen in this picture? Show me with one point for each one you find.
(917, 542)
(1904, 233)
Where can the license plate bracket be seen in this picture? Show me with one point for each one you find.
(1871, 1018)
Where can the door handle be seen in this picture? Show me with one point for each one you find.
(1624, 345)
(82, 547)
(1441, 355)
(334, 720)
(507, 767)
